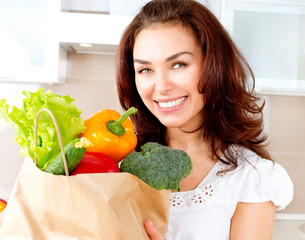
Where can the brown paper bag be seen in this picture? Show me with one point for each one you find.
(86, 206)
(110, 206)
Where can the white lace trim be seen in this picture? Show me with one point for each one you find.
(192, 198)
(237, 151)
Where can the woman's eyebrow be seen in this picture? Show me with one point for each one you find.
(177, 55)
(170, 58)
(142, 61)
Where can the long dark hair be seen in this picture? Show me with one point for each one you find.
(231, 111)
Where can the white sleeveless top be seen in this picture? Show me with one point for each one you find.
(206, 212)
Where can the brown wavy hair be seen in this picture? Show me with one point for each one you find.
(231, 111)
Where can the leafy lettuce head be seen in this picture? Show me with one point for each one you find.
(23, 121)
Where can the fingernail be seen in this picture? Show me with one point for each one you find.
(150, 222)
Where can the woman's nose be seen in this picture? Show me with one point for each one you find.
(163, 82)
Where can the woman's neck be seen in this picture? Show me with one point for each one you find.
(186, 141)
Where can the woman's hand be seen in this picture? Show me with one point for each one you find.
(153, 232)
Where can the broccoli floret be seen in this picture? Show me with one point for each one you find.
(159, 166)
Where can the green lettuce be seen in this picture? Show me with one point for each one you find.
(23, 121)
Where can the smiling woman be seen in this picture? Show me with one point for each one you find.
(167, 78)
(178, 66)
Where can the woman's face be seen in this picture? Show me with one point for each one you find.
(168, 64)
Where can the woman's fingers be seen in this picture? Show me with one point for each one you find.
(152, 231)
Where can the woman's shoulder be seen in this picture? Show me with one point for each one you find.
(260, 180)
(248, 162)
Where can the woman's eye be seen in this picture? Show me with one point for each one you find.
(178, 65)
(144, 70)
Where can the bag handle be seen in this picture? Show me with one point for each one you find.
(58, 135)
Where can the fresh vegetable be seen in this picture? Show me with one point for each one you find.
(23, 121)
(159, 166)
(2, 205)
(73, 157)
(111, 134)
(96, 163)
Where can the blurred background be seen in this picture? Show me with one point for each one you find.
(68, 46)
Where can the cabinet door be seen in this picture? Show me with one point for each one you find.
(29, 51)
(271, 35)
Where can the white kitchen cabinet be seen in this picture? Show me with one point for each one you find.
(35, 36)
(271, 35)
(28, 43)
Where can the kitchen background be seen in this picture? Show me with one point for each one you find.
(40, 46)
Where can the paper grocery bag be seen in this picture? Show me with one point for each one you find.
(110, 206)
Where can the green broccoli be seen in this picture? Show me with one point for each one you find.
(159, 166)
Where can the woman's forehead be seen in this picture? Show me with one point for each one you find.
(165, 38)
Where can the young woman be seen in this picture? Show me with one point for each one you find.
(177, 65)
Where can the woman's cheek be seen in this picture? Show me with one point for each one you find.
(145, 88)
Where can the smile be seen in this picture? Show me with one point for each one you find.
(171, 104)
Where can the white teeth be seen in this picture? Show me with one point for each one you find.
(171, 104)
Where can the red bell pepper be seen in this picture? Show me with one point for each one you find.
(94, 162)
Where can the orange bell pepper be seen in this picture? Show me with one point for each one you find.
(110, 133)
(2, 205)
